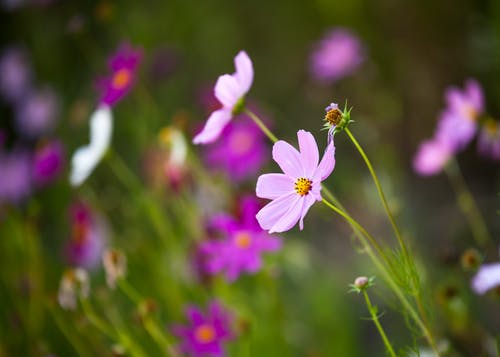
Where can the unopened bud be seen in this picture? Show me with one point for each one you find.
(361, 282)
(470, 259)
(115, 266)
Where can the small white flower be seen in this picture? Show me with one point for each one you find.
(74, 283)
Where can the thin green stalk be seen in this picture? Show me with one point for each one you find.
(380, 192)
(386, 275)
(261, 125)
(73, 340)
(468, 204)
(373, 312)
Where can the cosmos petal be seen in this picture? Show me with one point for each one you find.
(308, 152)
(272, 186)
(213, 127)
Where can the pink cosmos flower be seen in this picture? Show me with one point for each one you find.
(241, 246)
(230, 90)
(123, 65)
(486, 278)
(293, 192)
(337, 55)
(206, 333)
(488, 143)
(431, 157)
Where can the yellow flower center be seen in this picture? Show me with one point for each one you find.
(243, 240)
(303, 186)
(121, 79)
(333, 117)
(204, 333)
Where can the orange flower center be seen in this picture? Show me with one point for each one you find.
(303, 186)
(243, 240)
(204, 333)
(333, 117)
(121, 79)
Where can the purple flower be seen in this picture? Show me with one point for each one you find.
(37, 112)
(123, 65)
(48, 162)
(337, 55)
(230, 90)
(431, 157)
(295, 191)
(241, 150)
(486, 278)
(15, 74)
(88, 237)
(241, 246)
(15, 176)
(488, 143)
(206, 333)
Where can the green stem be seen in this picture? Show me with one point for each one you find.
(364, 239)
(261, 125)
(467, 204)
(373, 312)
(380, 192)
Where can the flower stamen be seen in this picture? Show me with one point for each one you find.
(121, 79)
(204, 333)
(333, 116)
(303, 186)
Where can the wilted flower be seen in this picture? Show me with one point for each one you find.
(486, 278)
(88, 237)
(431, 157)
(15, 74)
(488, 143)
(123, 65)
(36, 113)
(15, 176)
(86, 158)
(115, 266)
(241, 246)
(240, 151)
(230, 90)
(295, 191)
(337, 55)
(48, 162)
(74, 284)
(206, 333)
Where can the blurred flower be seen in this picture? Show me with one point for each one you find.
(431, 157)
(241, 150)
(115, 266)
(88, 237)
(15, 176)
(123, 65)
(74, 284)
(3, 138)
(337, 55)
(486, 278)
(173, 140)
(48, 162)
(206, 333)
(242, 244)
(230, 90)
(37, 112)
(295, 191)
(458, 123)
(86, 158)
(15, 74)
(488, 143)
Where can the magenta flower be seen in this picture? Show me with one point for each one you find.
(206, 333)
(230, 90)
(336, 56)
(241, 246)
(48, 162)
(431, 157)
(486, 278)
(88, 238)
(295, 191)
(15, 176)
(488, 143)
(123, 65)
(241, 150)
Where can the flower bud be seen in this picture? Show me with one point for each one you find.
(74, 283)
(115, 266)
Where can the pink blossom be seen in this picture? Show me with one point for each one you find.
(48, 162)
(295, 191)
(431, 157)
(230, 90)
(488, 143)
(486, 278)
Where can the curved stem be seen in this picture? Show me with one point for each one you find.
(467, 204)
(373, 312)
(380, 192)
(261, 125)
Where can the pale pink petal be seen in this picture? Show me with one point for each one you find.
(271, 213)
(308, 202)
(327, 163)
(475, 94)
(272, 186)
(227, 91)
(308, 151)
(244, 71)
(288, 158)
(213, 127)
(487, 277)
(290, 218)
